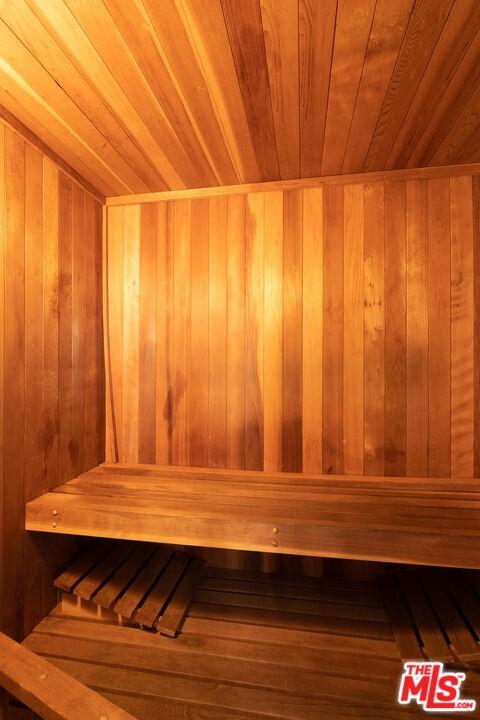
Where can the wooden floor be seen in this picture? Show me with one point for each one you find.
(252, 646)
(371, 518)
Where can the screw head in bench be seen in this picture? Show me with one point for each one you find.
(54, 524)
(274, 543)
(54, 512)
(275, 531)
(43, 676)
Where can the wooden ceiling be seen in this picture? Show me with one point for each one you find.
(145, 95)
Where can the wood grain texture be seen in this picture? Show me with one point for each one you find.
(140, 97)
(47, 690)
(476, 274)
(332, 382)
(439, 303)
(462, 328)
(309, 330)
(395, 329)
(252, 661)
(44, 374)
(353, 341)
(417, 328)
(342, 516)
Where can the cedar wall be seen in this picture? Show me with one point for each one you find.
(330, 330)
(51, 362)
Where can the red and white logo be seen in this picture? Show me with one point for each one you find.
(433, 687)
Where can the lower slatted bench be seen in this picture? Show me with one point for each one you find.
(404, 520)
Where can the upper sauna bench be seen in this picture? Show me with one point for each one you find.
(426, 521)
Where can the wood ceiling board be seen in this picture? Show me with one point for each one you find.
(69, 35)
(19, 102)
(30, 31)
(354, 22)
(426, 23)
(76, 127)
(449, 69)
(109, 42)
(143, 96)
(132, 22)
(208, 27)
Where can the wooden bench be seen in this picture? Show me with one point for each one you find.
(427, 521)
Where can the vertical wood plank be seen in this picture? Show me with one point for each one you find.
(199, 334)
(333, 330)
(462, 328)
(181, 332)
(217, 333)
(395, 330)
(33, 376)
(255, 235)
(94, 347)
(164, 385)
(273, 330)
(2, 367)
(417, 329)
(99, 337)
(14, 428)
(131, 309)
(312, 329)
(476, 305)
(439, 327)
(65, 340)
(292, 332)
(79, 288)
(374, 330)
(107, 401)
(50, 325)
(147, 337)
(353, 331)
(115, 250)
(236, 329)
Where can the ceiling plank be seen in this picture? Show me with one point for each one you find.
(459, 33)
(456, 96)
(208, 28)
(150, 85)
(316, 25)
(97, 151)
(24, 103)
(280, 28)
(245, 30)
(67, 32)
(33, 34)
(173, 36)
(464, 127)
(426, 24)
(143, 96)
(354, 21)
(388, 30)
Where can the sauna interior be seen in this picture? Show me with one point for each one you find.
(239, 358)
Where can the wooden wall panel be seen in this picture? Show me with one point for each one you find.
(51, 388)
(315, 330)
